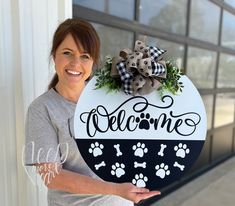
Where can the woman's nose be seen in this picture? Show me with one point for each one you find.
(76, 61)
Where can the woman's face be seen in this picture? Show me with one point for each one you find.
(73, 65)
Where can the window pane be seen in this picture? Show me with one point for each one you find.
(222, 144)
(224, 113)
(121, 8)
(228, 30)
(208, 102)
(167, 15)
(174, 52)
(204, 25)
(96, 5)
(201, 67)
(230, 2)
(226, 77)
(113, 40)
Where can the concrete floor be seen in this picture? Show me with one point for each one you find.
(214, 188)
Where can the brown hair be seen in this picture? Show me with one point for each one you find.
(83, 33)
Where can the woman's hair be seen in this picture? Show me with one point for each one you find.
(83, 34)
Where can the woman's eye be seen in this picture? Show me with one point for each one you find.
(85, 57)
(67, 53)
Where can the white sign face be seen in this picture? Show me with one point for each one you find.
(145, 140)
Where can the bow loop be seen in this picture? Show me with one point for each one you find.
(140, 69)
(124, 53)
(133, 60)
(145, 67)
(141, 47)
(156, 53)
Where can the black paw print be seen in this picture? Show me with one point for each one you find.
(144, 121)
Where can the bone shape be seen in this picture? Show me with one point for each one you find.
(102, 164)
(137, 164)
(117, 147)
(160, 153)
(176, 164)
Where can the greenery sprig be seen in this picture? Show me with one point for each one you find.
(171, 83)
(104, 78)
(113, 84)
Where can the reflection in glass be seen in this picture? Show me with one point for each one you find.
(226, 71)
(113, 40)
(204, 25)
(230, 2)
(224, 111)
(208, 102)
(96, 5)
(201, 67)
(120, 8)
(228, 30)
(174, 52)
(167, 15)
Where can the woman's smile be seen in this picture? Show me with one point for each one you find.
(73, 73)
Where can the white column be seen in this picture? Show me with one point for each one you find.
(8, 154)
(26, 33)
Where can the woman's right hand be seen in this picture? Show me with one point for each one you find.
(55, 177)
(133, 193)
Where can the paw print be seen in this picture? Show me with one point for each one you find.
(118, 169)
(162, 170)
(144, 121)
(181, 150)
(96, 149)
(140, 149)
(140, 180)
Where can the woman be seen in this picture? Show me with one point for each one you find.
(69, 180)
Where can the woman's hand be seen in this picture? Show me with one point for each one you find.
(133, 193)
(55, 177)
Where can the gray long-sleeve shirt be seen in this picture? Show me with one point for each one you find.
(48, 140)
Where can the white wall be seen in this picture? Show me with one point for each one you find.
(26, 29)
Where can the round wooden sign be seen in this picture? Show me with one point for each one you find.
(146, 140)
